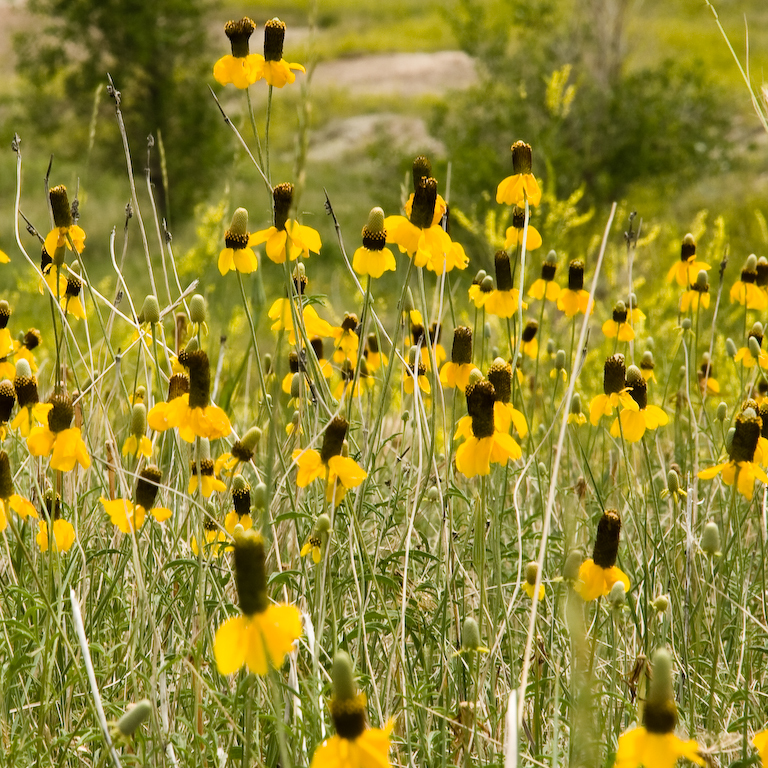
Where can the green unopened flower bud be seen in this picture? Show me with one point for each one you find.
(661, 683)
(617, 596)
(134, 716)
(729, 438)
(406, 415)
(572, 564)
(752, 262)
(532, 572)
(486, 284)
(730, 347)
(661, 603)
(722, 411)
(239, 225)
(470, 635)
(560, 360)
(323, 524)
(754, 347)
(150, 310)
(412, 353)
(296, 385)
(433, 494)
(409, 305)
(710, 539)
(757, 329)
(295, 418)
(250, 439)
(487, 330)
(542, 468)
(23, 369)
(552, 257)
(576, 404)
(673, 481)
(197, 309)
(475, 375)
(343, 676)
(239, 483)
(260, 496)
(139, 419)
(267, 363)
(633, 375)
(192, 345)
(686, 324)
(550, 347)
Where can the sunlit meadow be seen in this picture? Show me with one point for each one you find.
(362, 502)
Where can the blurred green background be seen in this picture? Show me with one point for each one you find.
(639, 102)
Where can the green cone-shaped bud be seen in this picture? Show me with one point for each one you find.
(134, 717)
(710, 539)
(343, 676)
(617, 596)
(661, 683)
(139, 419)
(470, 635)
(150, 310)
(323, 524)
(239, 225)
(197, 309)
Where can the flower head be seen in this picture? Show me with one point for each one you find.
(31, 411)
(522, 185)
(340, 472)
(422, 169)
(242, 67)
(745, 290)
(697, 294)
(373, 258)
(456, 373)
(204, 477)
(264, 633)
(753, 352)
(618, 325)
(355, 745)
(487, 445)
(273, 67)
(157, 418)
(648, 366)
(286, 238)
(58, 439)
(655, 743)
(65, 232)
(741, 467)
(686, 270)
(320, 533)
(504, 301)
(7, 401)
(546, 286)
(574, 298)
(599, 573)
(373, 354)
(633, 422)
(9, 499)
(514, 234)
(707, 381)
(237, 253)
(529, 585)
(615, 390)
(529, 344)
(6, 342)
(137, 442)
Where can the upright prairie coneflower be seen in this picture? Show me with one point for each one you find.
(242, 452)
(504, 301)
(340, 472)
(71, 302)
(427, 243)
(654, 743)
(481, 289)
(618, 326)
(487, 445)
(9, 499)
(529, 344)
(241, 67)
(706, 375)
(286, 238)
(192, 411)
(7, 401)
(263, 633)
(615, 390)
(545, 286)
(697, 295)
(158, 416)
(504, 413)
(522, 185)
(58, 439)
(26, 349)
(373, 354)
(355, 745)
(347, 340)
(275, 70)
(456, 372)
(6, 342)
(632, 423)
(293, 369)
(686, 270)
(574, 298)
(599, 573)
(420, 170)
(745, 290)
(514, 234)
(129, 515)
(237, 253)
(648, 366)
(417, 371)
(31, 411)
(314, 544)
(281, 312)
(241, 503)
(137, 442)
(753, 353)
(65, 232)
(61, 534)
(373, 258)
(741, 467)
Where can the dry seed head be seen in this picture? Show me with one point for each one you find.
(576, 275)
